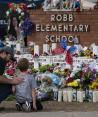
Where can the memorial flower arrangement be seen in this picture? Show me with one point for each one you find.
(24, 25)
(85, 79)
(18, 9)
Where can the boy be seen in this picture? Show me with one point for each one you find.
(25, 91)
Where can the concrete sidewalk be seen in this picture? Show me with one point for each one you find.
(52, 109)
(54, 106)
(51, 114)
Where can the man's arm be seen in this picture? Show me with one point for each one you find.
(34, 98)
(13, 81)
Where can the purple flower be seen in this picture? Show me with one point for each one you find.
(94, 71)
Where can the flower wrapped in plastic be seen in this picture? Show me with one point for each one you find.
(87, 53)
(73, 84)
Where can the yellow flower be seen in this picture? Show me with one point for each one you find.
(73, 84)
(93, 85)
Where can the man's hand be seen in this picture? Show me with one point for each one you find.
(16, 81)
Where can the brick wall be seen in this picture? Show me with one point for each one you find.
(85, 17)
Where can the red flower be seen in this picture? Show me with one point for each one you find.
(10, 72)
(70, 79)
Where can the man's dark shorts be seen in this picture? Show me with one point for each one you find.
(5, 91)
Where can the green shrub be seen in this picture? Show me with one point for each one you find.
(43, 68)
(10, 98)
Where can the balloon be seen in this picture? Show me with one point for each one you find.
(14, 5)
(63, 44)
(10, 5)
(19, 10)
(22, 13)
(72, 49)
(7, 13)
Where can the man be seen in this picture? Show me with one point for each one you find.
(6, 54)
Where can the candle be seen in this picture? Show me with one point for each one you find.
(70, 97)
(80, 96)
(94, 96)
(65, 96)
(59, 95)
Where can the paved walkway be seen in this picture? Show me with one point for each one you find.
(52, 109)
(51, 114)
(54, 106)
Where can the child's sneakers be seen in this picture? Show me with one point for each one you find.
(18, 107)
(26, 107)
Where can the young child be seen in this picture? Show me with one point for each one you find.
(26, 91)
